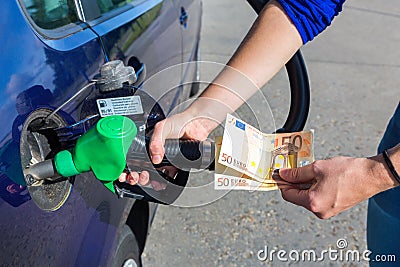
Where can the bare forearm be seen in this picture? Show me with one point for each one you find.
(339, 183)
(381, 172)
(271, 42)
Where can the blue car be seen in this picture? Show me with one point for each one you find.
(51, 52)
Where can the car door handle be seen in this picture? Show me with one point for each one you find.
(184, 17)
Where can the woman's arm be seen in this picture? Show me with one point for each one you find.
(270, 43)
(279, 31)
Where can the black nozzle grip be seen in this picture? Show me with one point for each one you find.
(180, 153)
(189, 154)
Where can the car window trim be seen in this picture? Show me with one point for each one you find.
(109, 22)
(74, 35)
(65, 38)
(57, 33)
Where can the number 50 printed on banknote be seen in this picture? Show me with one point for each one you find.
(247, 150)
(226, 178)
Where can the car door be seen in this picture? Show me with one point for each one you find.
(190, 20)
(52, 50)
(48, 55)
(190, 12)
(143, 33)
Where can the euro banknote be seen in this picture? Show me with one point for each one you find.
(226, 178)
(255, 155)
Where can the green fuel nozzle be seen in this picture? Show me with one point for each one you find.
(102, 149)
(105, 150)
(111, 146)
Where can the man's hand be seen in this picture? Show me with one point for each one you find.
(337, 184)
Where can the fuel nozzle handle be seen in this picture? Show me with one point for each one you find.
(190, 154)
(106, 149)
(182, 154)
(102, 149)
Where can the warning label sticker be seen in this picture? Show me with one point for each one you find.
(129, 105)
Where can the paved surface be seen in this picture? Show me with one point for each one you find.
(355, 73)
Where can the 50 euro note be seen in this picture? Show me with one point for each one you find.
(226, 178)
(253, 155)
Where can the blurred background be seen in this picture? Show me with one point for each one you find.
(354, 71)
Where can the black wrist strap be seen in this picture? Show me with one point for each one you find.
(390, 165)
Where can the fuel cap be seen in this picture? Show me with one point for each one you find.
(113, 75)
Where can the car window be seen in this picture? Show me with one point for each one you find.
(51, 14)
(54, 14)
(108, 5)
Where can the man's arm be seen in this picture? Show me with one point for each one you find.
(339, 183)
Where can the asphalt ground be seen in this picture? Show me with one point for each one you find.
(354, 72)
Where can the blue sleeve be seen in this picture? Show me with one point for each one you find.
(311, 16)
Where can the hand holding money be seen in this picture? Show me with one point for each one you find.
(246, 158)
(339, 183)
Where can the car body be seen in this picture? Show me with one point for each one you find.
(50, 50)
